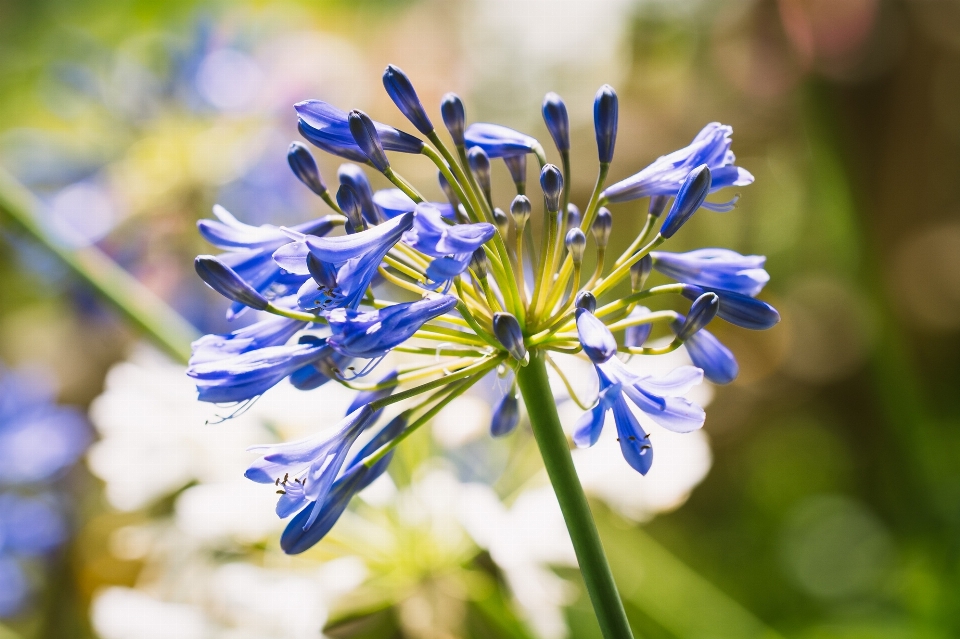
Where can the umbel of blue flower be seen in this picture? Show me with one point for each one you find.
(451, 282)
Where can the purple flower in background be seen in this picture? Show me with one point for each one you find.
(499, 141)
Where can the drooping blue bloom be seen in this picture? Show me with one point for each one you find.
(454, 117)
(356, 178)
(605, 115)
(597, 340)
(557, 121)
(740, 310)
(305, 168)
(394, 202)
(328, 127)
(251, 249)
(710, 355)
(702, 311)
(499, 141)
(350, 263)
(401, 91)
(250, 374)
(587, 430)
(690, 197)
(551, 182)
(330, 366)
(274, 331)
(304, 470)
(372, 334)
(667, 173)
(634, 442)
(506, 415)
(452, 245)
(714, 267)
(507, 330)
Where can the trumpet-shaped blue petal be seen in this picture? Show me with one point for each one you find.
(740, 310)
(667, 173)
(716, 268)
(275, 331)
(372, 334)
(329, 128)
(250, 374)
(634, 441)
(305, 470)
(658, 397)
(597, 340)
(499, 141)
(710, 355)
(349, 263)
(587, 430)
(431, 235)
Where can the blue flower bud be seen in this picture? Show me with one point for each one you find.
(597, 340)
(323, 273)
(365, 134)
(506, 415)
(586, 300)
(356, 178)
(576, 242)
(605, 110)
(657, 204)
(573, 216)
(692, 193)
(480, 165)
(551, 181)
(448, 191)
(506, 328)
(403, 94)
(517, 165)
(639, 272)
(502, 221)
(738, 309)
(350, 205)
(454, 116)
(703, 309)
(555, 116)
(305, 168)
(635, 336)
(224, 280)
(602, 226)
(520, 209)
(479, 263)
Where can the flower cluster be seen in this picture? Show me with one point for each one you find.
(468, 286)
(38, 442)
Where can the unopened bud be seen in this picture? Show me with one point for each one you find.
(657, 204)
(573, 215)
(454, 116)
(639, 272)
(403, 94)
(517, 165)
(350, 205)
(507, 330)
(364, 133)
(703, 309)
(305, 168)
(551, 181)
(480, 165)
(575, 242)
(587, 300)
(501, 221)
(602, 226)
(605, 111)
(555, 117)
(479, 263)
(520, 209)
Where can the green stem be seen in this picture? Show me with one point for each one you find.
(150, 313)
(535, 388)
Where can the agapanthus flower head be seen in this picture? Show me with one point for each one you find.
(471, 290)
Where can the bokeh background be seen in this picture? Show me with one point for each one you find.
(823, 500)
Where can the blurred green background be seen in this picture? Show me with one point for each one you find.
(832, 509)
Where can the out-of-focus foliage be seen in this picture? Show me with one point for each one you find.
(831, 509)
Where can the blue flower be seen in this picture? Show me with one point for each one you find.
(597, 340)
(304, 470)
(38, 439)
(328, 128)
(394, 202)
(355, 177)
(557, 121)
(667, 173)
(330, 366)
(344, 266)
(251, 249)
(587, 430)
(714, 267)
(401, 91)
(300, 535)
(605, 115)
(710, 355)
(274, 331)
(634, 336)
(250, 374)
(372, 334)
(740, 310)
(499, 141)
(453, 244)
(689, 198)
